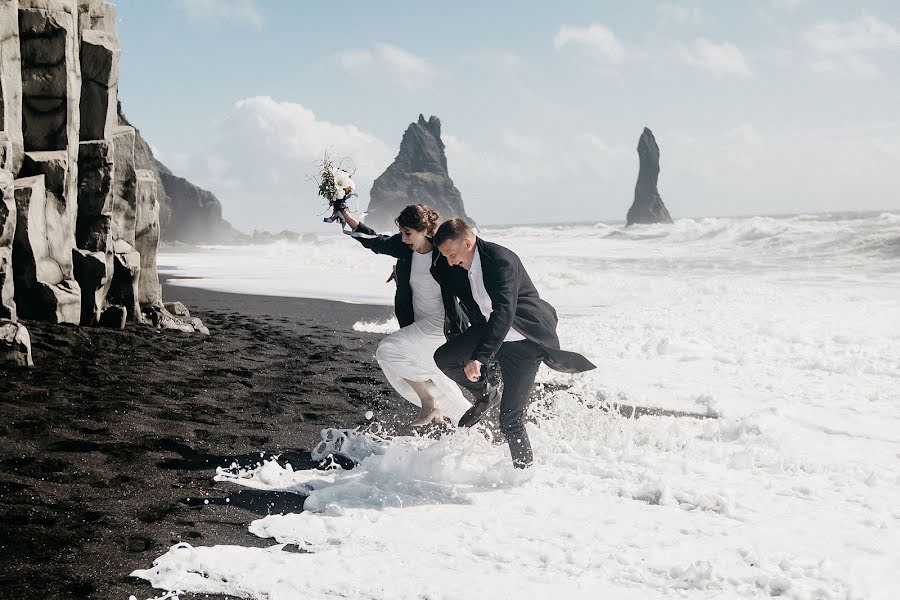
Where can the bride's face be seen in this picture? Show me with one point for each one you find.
(414, 239)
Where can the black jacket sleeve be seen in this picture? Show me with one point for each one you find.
(380, 243)
(501, 282)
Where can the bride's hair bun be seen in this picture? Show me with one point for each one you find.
(419, 218)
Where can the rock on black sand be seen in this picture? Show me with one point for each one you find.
(648, 206)
(419, 174)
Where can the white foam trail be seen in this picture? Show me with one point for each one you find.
(646, 508)
(387, 326)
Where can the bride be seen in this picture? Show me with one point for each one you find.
(423, 311)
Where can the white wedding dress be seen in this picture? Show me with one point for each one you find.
(408, 354)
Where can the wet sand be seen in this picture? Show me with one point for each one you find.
(109, 445)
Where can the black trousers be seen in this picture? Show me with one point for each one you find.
(519, 362)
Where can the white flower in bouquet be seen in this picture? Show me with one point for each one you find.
(336, 186)
(342, 180)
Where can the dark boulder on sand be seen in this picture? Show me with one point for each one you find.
(648, 206)
(15, 344)
(419, 174)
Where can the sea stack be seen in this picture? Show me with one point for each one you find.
(418, 175)
(648, 206)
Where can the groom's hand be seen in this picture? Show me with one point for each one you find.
(473, 370)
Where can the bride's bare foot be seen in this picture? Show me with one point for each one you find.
(425, 417)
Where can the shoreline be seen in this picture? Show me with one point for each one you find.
(109, 444)
(334, 312)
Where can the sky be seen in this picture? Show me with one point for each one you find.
(765, 107)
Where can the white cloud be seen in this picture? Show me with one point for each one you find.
(741, 147)
(592, 141)
(719, 58)
(853, 65)
(520, 143)
(865, 34)
(223, 11)
(746, 170)
(681, 14)
(850, 47)
(265, 152)
(747, 135)
(533, 174)
(388, 62)
(596, 40)
(489, 168)
(789, 5)
(889, 146)
(503, 60)
(602, 160)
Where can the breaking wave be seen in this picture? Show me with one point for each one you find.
(809, 236)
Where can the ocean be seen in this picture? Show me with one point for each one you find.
(782, 333)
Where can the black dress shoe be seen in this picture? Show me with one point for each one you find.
(489, 400)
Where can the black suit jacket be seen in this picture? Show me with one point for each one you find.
(391, 245)
(516, 304)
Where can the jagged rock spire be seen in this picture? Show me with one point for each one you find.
(648, 206)
(419, 174)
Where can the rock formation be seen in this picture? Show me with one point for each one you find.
(196, 213)
(648, 206)
(15, 344)
(7, 235)
(79, 221)
(187, 213)
(418, 175)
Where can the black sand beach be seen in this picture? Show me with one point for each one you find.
(109, 445)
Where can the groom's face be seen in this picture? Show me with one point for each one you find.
(459, 252)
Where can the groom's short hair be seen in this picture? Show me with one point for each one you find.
(454, 229)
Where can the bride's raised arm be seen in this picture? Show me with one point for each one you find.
(391, 245)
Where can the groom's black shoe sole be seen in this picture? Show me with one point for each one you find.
(491, 397)
(481, 406)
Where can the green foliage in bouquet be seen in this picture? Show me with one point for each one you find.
(327, 187)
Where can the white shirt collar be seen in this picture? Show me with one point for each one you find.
(476, 262)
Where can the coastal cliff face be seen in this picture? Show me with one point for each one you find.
(187, 213)
(419, 174)
(648, 206)
(79, 215)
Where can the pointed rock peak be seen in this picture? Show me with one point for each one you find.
(419, 174)
(647, 136)
(434, 126)
(647, 144)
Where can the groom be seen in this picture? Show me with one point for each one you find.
(512, 330)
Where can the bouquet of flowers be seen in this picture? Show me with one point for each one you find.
(336, 186)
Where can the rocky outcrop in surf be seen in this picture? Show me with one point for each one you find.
(648, 206)
(419, 174)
